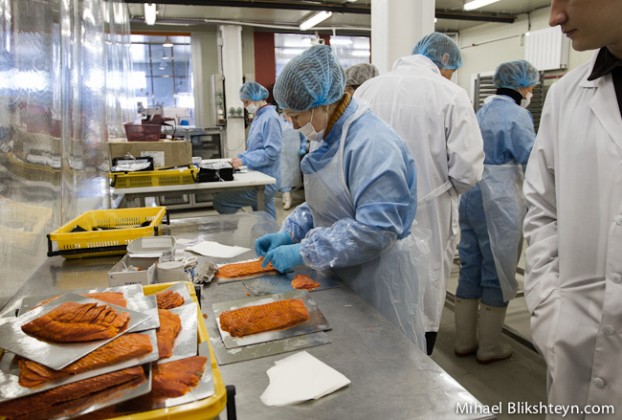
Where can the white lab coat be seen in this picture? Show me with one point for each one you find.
(435, 118)
(573, 228)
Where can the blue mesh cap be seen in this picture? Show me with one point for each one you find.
(357, 74)
(253, 91)
(309, 80)
(441, 49)
(516, 74)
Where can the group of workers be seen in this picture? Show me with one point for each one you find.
(398, 161)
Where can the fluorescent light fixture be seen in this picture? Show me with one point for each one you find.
(150, 13)
(314, 20)
(476, 4)
(167, 43)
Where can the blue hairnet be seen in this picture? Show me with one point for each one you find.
(516, 74)
(253, 91)
(309, 80)
(357, 74)
(441, 49)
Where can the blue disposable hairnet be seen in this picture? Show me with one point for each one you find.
(441, 49)
(516, 74)
(309, 80)
(253, 91)
(357, 74)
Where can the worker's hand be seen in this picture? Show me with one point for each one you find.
(236, 163)
(284, 258)
(267, 243)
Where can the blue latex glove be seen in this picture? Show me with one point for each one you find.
(284, 257)
(267, 243)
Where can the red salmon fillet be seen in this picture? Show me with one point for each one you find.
(168, 299)
(170, 325)
(261, 318)
(174, 379)
(74, 322)
(127, 346)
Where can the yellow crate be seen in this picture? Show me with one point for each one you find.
(106, 232)
(206, 408)
(157, 178)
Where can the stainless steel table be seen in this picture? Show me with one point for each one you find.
(391, 378)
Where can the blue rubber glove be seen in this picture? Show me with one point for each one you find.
(268, 242)
(284, 257)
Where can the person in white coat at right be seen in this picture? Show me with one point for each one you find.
(573, 226)
(436, 120)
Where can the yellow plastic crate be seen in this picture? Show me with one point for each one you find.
(105, 232)
(157, 178)
(206, 408)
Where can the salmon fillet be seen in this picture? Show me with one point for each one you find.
(261, 318)
(74, 322)
(168, 299)
(41, 405)
(243, 269)
(302, 281)
(174, 379)
(126, 347)
(115, 298)
(170, 325)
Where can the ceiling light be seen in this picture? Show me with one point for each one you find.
(167, 42)
(150, 13)
(476, 4)
(314, 20)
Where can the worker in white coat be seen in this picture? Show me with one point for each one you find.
(573, 227)
(436, 120)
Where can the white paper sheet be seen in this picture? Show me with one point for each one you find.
(218, 250)
(301, 377)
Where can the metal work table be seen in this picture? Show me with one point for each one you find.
(242, 181)
(391, 378)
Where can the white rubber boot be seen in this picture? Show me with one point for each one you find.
(287, 200)
(465, 313)
(491, 348)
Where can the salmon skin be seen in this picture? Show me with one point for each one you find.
(170, 325)
(168, 299)
(261, 318)
(174, 379)
(127, 346)
(74, 322)
(243, 269)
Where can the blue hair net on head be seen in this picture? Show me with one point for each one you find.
(441, 49)
(253, 91)
(309, 80)
(516, 74)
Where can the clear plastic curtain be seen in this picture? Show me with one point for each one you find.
(64, 71)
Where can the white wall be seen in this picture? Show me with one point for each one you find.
(486, 46)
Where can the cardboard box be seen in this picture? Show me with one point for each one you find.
(166, 154)
(119, 276)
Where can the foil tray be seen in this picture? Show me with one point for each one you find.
(54, 355)
(316, 322)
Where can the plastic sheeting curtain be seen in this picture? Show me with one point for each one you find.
(64, 76)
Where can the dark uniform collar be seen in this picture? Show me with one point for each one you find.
(604, 64)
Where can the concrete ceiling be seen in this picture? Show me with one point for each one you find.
(285, 15)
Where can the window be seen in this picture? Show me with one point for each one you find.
(162, 76)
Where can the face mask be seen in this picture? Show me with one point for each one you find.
(309, 132)
(527, 100)
(252, 108)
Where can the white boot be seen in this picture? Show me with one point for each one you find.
(491, 348)
(465, 313)
(287, 200)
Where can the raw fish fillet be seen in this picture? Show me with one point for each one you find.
(243, 269)
(261, 318)
(302, 281)
(174, 379)
(127, 346)
(74, 322)
(54, 401)
(170, 325)
(168, 299)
